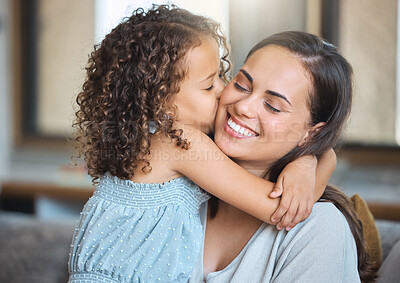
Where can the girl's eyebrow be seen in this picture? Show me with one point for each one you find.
(247, 75)
(209, 77)
(274, 93)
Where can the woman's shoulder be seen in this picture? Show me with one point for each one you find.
(327, 213)
(326, 207)
(325, 222)
(327, 230)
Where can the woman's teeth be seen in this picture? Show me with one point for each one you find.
(239, 129)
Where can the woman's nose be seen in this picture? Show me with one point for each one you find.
(246, 107)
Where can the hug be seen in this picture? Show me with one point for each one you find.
(259, 210)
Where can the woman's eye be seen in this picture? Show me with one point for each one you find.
(239, 87)
(210, 88)
(270, 108)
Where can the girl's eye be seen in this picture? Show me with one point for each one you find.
(240, 88)
(270, 108)
(210, 88)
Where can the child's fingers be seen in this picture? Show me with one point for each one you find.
(289, 216)
(300, 215)
(282, 208)
(278, 189)
(308, 210)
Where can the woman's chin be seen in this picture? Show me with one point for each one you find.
(227, 145)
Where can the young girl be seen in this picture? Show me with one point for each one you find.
(148, 102)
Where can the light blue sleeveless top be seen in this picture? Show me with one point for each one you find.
(135, 232)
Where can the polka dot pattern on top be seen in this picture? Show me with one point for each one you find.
(138, 232)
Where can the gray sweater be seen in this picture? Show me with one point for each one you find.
(320, 249)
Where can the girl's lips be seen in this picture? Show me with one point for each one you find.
(249, 133)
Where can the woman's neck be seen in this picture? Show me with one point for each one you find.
(258, 170)
(228, 212)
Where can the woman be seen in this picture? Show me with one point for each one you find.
(294, 93)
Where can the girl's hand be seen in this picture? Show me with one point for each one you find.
(296, 186)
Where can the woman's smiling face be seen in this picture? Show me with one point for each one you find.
(263, 112)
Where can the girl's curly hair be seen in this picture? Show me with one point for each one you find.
(131, 79)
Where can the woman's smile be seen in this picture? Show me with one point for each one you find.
(238, 129)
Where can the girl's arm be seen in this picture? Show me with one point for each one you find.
(206, 165)
(211, 169)
(304, 181)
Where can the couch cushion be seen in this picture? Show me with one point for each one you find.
(32, 250)
(370, 230)
(390, 235)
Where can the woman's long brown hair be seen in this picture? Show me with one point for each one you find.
(330, 102)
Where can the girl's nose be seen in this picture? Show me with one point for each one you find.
(219, 87)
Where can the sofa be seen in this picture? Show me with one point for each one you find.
(36, 251)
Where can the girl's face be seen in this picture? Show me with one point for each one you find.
(197, 100)
(263, 112)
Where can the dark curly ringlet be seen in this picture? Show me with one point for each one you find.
(132, 77)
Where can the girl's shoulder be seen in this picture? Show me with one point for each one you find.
(169, 151)
(188, 132)
(164, 153)
(179, 191)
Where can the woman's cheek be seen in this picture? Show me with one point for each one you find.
(274, 128)
(286, 131)
(228, 95)
(223, 100)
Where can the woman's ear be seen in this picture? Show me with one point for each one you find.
(311, 133)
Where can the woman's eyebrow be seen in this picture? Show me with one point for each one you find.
(247, 75)
(274, 93)
(271, 92)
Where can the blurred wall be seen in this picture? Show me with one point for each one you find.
(108, 13)
(65, 38)
(368, 39)
(5, 99)
(67, 32)
(253, 20)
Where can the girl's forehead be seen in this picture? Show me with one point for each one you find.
(203, 58)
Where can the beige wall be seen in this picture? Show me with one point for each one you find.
(5, 88)
(66, 37)
(253, 20)
(368, 40)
